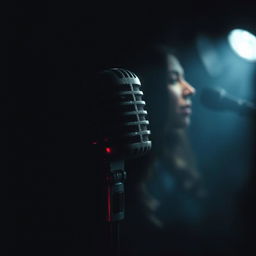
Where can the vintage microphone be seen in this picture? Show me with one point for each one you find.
(121, 132)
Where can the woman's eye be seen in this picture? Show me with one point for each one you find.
(173, 80)
(173, 77)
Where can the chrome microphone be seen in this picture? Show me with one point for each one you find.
(121, 120)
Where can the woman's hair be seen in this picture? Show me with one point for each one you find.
(151, 68)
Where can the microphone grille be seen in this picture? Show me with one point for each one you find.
(123, 121)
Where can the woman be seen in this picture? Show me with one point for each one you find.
(160, 186)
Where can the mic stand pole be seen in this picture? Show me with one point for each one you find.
(115, 204)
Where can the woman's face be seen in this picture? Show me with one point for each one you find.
(179, 92)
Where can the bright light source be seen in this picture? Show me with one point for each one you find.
(243, 43)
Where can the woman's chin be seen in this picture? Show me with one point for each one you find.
(184, 122)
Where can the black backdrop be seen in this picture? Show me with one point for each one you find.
(54, 50)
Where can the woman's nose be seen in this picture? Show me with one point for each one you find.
(188, 89)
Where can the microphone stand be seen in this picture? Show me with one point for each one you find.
(115, 204)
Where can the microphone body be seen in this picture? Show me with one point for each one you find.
(120, 133)
(218, 99)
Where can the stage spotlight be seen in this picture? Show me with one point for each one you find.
(243, 43)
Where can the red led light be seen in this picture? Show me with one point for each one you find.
(108, 150)
(94, 142)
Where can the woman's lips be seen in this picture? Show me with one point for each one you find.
(186, 110)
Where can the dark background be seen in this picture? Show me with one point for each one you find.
(54, 50)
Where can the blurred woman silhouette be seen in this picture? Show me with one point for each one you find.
(163, 188)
